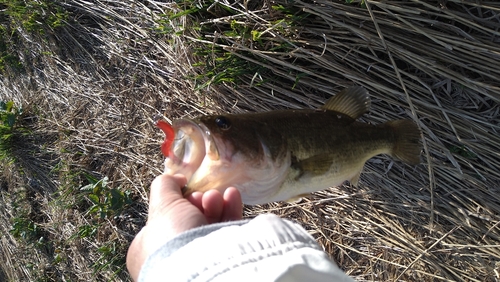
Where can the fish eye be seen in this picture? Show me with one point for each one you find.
(223, 122)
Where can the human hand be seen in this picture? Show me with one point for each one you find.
(171, 214)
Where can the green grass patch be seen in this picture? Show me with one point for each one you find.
(463, 151)
(25, 228)
(9, 115)
(34, 16)
(219, 27)
(30, 16)
(106, 202)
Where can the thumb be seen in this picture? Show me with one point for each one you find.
(165, 190)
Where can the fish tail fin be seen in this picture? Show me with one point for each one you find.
(407, 144)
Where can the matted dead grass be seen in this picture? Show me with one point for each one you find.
(96, 84)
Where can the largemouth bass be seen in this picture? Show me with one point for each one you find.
(285, 154)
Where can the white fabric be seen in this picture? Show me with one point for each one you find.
(266, 248)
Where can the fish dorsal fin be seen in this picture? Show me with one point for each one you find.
(352, 101)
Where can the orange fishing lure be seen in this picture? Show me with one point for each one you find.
(169, 136)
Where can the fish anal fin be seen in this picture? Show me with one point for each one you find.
(352, 101)
(296, 199)
(407, 145)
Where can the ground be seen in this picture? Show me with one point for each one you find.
(91, 77)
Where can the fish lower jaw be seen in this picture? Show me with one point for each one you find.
(217, 174)
(173, 167)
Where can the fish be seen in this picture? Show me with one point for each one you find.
(283, 155)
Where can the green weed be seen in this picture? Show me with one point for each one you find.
(87, 231)
(112, 254)
(35, 16)
(24, 228)
(106, 202)
(216, 64)
(7, 59)
(463, 151)
(8, 117)
(362, 3)
(220, 66)
(32, 16)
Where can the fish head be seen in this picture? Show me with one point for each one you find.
(236, 134)
(210, 152)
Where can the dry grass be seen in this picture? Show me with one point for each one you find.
(94, 85)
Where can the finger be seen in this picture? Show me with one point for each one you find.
(165, 189)
(196, 199)
(233, 205)
(213, 204)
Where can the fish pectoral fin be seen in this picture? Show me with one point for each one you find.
(297, 198)
(315, 165)
(352, 101)
(355, 179)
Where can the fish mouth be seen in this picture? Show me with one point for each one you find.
(193, 142)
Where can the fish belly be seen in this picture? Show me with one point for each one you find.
(308, 183)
